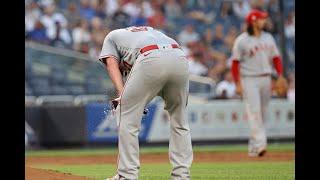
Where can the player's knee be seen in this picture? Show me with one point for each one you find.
(126, 129)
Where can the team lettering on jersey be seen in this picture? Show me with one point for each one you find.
(137, 28)
(260, 47)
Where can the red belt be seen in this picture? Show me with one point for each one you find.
(154, 46)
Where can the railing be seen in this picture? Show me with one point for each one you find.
(201, 86)
(58, 51)
(65, 99)
(57, 71)
(201, 79)
(46, 62)
(84, 99)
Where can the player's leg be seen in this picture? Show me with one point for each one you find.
(175, 94)
(265, 93)
(252, 100)
(142, 85)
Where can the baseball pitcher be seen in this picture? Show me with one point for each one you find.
(253, 53)
(155, 65)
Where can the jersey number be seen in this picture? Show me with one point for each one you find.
(138, 28)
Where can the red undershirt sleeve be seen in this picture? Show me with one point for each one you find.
(235, 68)
(278, 65)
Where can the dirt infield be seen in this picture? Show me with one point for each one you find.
(38, 174)
(156, 158)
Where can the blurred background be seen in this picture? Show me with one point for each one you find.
(67, 89)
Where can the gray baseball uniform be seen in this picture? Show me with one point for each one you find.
(163, 72)
(255, 56)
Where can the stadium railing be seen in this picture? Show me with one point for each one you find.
(55, 71)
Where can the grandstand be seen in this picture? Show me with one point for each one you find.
(59, 61)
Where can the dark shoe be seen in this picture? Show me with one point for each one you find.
(262, 152)
(257, 152)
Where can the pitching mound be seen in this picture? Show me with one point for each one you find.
(40, 174)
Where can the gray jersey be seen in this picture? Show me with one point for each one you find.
(124, 44)
(163, 72)
(255, 53)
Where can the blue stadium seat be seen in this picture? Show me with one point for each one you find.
(76, 90)
(41, 90)
(94, 87)
(58, 77)
(200, 27)
(51, 73)
(195, 87)
(235, 21)
(39, 81)
(290, 43)
(59, 90)
(28, 90)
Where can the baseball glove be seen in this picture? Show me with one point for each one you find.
(281, 86)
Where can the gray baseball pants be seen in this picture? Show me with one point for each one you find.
(163, 72)
(256, 93)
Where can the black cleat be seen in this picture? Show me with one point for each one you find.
(262, 153)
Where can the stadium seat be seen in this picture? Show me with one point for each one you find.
(28, 91)
(93, 88)
(39, 81)
(41, 90)
(76, 90)
(59, 74)
(59, 90)
(57, 77)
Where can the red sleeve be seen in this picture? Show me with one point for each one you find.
(277, 64)
(235, 68)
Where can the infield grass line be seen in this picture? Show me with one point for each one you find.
(151, 150)
(221, 170)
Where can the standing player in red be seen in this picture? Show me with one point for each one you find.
(253, 54)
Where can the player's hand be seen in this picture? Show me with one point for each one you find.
(238, 88)
(115, 103)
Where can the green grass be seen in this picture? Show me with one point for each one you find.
(157, 171)
(145, 150)
(205, 171)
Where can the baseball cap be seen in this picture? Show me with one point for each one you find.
(254, 15)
